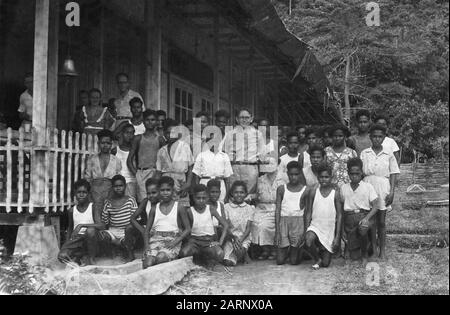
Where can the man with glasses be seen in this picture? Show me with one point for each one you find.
(125, 96)
(246, 148)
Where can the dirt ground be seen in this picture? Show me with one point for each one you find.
(418, 263)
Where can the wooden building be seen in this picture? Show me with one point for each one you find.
(183, 56)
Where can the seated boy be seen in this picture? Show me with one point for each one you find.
(289, 223)
(84, 223)
(116, 215)
(142, 213)
(167, 227)
(323, 218)
(203, 240)
(359, 200)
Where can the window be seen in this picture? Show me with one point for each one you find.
(184, 105)
(208, 107)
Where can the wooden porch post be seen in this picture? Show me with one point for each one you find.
(216, 63)
(154, 53)
(44, 89)
(53, 62)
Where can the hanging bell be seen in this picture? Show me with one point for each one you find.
(69, 68)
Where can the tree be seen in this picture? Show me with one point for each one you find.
(403, 62)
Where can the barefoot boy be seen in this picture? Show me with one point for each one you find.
(289, 224)
(323, 218)
(143, 153)
(203, 239)
(84, 224)
(116, 215)
(381, 171)
(359, 200)
(167, 227)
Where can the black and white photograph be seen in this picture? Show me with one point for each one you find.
(224, 153)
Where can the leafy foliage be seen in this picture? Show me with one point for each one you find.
(400, 67)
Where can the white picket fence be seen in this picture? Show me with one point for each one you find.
(65, 155)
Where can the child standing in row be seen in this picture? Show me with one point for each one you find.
(323, 219)
(289, 224)
(317, 157)
(101, 168)
(116, 216)
(293, 155)
(240, 216)
(166, 229)
(123, 151)
(143, 154)
(360, 208)
(361, 141)
(381, 171)
(84, 224)
(339, 154)
(210, 165)
(203, 240)
(263, 231)
(175, 160)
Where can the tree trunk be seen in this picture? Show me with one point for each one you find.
(347, 91)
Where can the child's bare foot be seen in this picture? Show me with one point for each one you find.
(364, 262)
(382, 255)
(317, 265)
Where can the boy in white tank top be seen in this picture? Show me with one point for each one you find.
(167, 227)
(203, 240)
(289, 224)
(323, 218)
(84, 221)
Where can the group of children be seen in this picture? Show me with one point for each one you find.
(303, 205)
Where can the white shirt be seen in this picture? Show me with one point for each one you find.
(391, 145)
(383, 165)
(138, 129)
(306, 159)
(26, 103)
(125, 172)
(123, 103)
(209, 164)
(282, 168)
(359, 199)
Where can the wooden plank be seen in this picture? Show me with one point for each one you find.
(156, 56)
(62, 170)
(53, 64)
(9, 168)
(83, 155)
(55, 168)
(40, 99)
(21, 166)
(69, 166)
(216, 63)
(47, 173)
(77, 157)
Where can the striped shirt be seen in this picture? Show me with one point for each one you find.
(119, 217)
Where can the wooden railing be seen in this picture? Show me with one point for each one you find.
(64, 155)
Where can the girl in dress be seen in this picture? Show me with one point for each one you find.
(263, 229)
(240, 216)
(339, 154)
(323, 219)
(95, 117)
